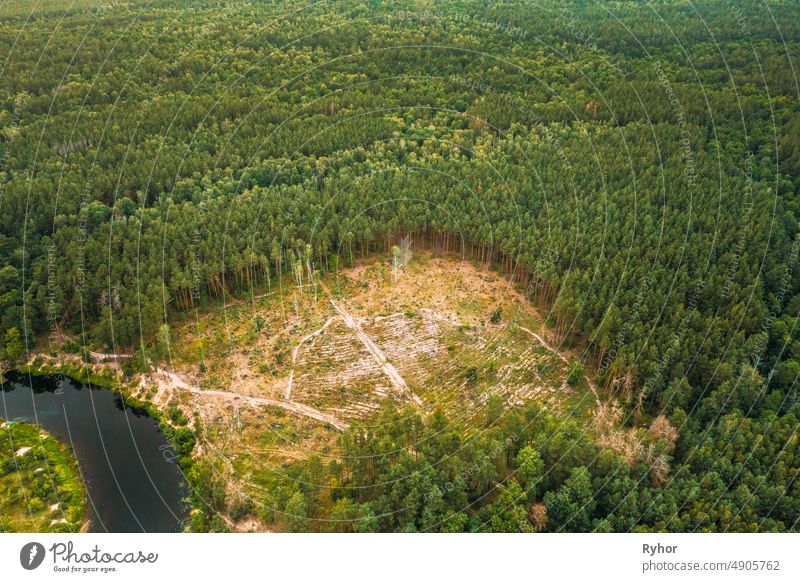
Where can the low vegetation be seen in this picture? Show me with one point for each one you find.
(41, 489)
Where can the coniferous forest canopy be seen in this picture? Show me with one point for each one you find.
(632, 167)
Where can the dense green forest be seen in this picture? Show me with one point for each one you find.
(633, 166)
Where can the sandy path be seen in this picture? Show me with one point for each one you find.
(294, 407)
(173, 381)
(176, 382)
(102, 356)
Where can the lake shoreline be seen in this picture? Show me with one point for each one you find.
(66, 368)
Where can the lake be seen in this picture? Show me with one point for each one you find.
(133, 481)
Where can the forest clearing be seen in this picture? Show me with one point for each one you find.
(277, 392)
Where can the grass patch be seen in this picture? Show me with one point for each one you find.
(41, 489)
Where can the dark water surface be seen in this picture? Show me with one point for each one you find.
(132, 479)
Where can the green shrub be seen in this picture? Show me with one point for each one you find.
(575, 373)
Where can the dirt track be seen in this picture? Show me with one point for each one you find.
(172, 381)
(178, 383)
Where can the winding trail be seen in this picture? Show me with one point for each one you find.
(179, 383)
(173, 381)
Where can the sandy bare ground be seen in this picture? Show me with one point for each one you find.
(168, 381)
(176, 382)
(380, 358)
